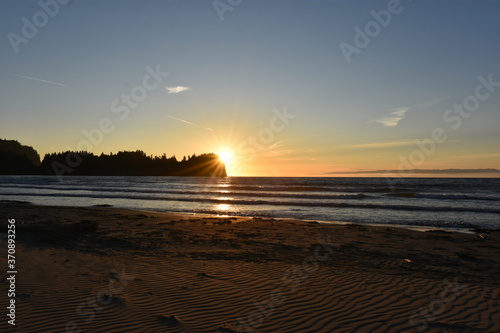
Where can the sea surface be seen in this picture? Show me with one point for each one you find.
(455, 203)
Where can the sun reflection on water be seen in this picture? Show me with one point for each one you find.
(223, 207)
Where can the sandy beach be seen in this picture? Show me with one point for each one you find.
(102, 269)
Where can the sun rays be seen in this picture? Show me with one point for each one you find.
(225, 156)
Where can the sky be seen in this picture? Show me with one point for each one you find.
(284, 87)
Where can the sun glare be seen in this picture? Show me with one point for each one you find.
(225, 156)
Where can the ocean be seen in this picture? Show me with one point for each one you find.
(453, 203)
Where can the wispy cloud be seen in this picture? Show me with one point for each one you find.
(275, 153)
(40, 80)
(384, 144)
(393, 118)
(274, 150)
(190, 123)
(420, 171)
(475, 156)
(176, 90)
(275, 145)
(431, 103)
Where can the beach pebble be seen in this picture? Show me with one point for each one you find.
(168, 319)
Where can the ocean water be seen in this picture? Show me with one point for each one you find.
(457, 203)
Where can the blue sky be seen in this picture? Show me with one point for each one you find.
(263, 56)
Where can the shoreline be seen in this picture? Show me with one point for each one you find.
(442, 203)
(420, 228)
(113, 269)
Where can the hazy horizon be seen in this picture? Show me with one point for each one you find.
(287, 88)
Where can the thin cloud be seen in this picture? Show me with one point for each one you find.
(393, 118)
(40, 80)
(420, 171)
(176, 90)
(275, 153)
(276, 145)
(431, 103)
(476, 156)
(384, 144)
(273, 150)
(190, 123)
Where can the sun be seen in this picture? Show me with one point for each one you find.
(225, 156)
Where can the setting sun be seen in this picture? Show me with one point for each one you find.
(225, 156)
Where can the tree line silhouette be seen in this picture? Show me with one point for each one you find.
(124, 163)
(17, 159)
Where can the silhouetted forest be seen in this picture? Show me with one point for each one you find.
(124, 163)
(17, 159)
